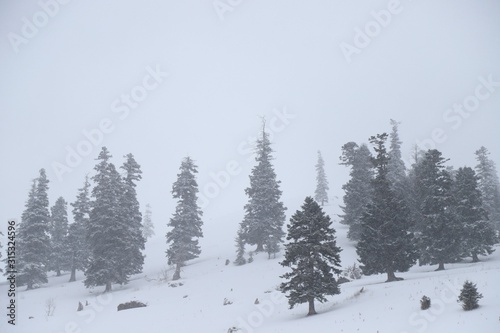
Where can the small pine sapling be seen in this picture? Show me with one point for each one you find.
(469, 296)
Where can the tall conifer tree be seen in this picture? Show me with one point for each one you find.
(34, 242)
(79, 250)
(439, 232)
(358, 190)
(489, 185)
(321, 193)
(186, 222)
(59, 236)
(478, 234)
(313, 255)
(106, 230)
(264, 212)
(131, 216)
(386, 244)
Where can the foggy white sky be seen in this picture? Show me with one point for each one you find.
(262, 58)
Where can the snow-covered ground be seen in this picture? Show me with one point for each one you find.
(198, 304)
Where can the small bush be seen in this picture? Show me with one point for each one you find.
(425, 303)
(131, 305)
(469, 296)
(227, 302)
(352, 272)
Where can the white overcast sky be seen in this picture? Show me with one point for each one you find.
(264, 57)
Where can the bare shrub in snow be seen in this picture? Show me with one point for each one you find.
(50, 307)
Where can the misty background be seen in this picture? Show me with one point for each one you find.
(227, 70)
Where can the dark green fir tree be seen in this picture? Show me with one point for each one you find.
(313, 256)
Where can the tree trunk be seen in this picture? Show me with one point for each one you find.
(474, 257)
(58, 272)
(392, 277)
(177, 274)
(108, 287)
(72, 278)
(441, 267)
(312, 311)
(260, 247)
(29, 286)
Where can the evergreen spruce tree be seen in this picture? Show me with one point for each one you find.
(240, 252)
(131, 217)
(264, 212)
(59, 236)
(313, 256)
(34, 242)
(79, 251)
(106, 229)
(396, 169)
(415, 196)
(358, 190)
(321, 193)
(439, 234)
(148, 228)
(386, 244)
(478, 234)
(186, 222)
(489, 185)
(469, 296)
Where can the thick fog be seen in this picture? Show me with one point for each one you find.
(167, 79)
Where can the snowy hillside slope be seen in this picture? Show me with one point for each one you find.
(198, 304)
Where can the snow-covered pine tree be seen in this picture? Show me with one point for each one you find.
(358, 190)
(321, 193)
(33, 237)
(469, 296)
(264, 212)
(131, 217)
(79, 251)
(478, 234)
(439, 234)
(148, 228)
(313, 255)
(414, 196)
(396, 169)
(186, 222)
(489, 185)
(240, 251)
(106, 232)
(386, 245)
(58, 230)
